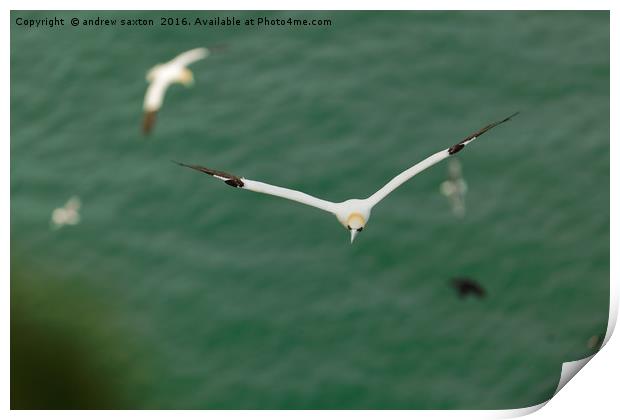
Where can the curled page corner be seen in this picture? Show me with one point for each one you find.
(570, 369)
(519, 412)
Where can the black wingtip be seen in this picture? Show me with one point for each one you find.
(511, 116)
(232, 180)
(180, 163)
(148, 122)
(460, 145)
(185, 165)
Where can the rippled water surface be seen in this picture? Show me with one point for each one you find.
(176, 291)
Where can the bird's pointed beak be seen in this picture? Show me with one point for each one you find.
(353, 234)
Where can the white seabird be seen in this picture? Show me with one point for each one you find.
(455, 188)
(69, 214)
(163, 75)
(353, 214)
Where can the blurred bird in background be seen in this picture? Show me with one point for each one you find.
(455, 188)
(163, 75)
(69, 214)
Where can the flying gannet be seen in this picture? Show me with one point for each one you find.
(163, 75)
(353, 214)
(69, 214)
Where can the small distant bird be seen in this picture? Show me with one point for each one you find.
(595, 342)
(69, 214)
(455, 188)
(466, 286)
(163, 75)
(353, 214)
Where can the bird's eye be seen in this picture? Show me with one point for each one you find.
(360, 229)
(348, 227)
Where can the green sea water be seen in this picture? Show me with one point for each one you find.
(176, 291)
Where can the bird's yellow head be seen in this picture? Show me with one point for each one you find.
(187, 77)
(355, 223)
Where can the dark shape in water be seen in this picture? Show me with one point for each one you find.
(466, 286)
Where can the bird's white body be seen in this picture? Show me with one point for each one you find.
(353, 213)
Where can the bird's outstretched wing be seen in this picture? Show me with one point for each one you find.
(401, 178)
(261, 187)
(191, 56)
(154, 96)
